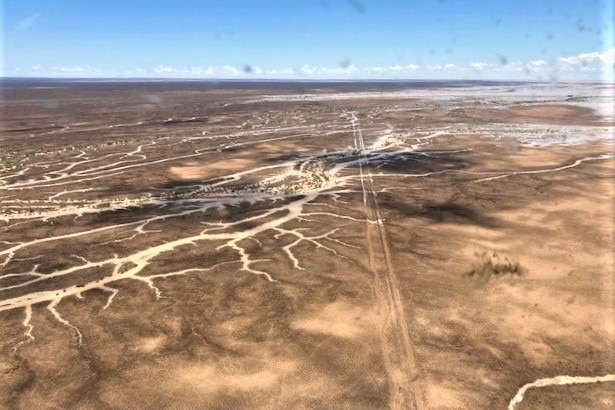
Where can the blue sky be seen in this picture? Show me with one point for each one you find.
(567, 39)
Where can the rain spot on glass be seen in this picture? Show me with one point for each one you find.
(580, 25)
(153, 98)
(496, 19)
(359, 8)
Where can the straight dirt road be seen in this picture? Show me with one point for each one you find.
(398, 351)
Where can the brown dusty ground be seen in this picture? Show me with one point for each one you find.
(543, 114)
(264, 259)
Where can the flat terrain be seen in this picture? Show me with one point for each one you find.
(309, 245)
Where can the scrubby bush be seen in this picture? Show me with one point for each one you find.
(492, 265)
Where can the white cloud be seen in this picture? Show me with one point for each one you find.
(529, 67)
(606, 57)
(518, 69)
(593, 64)
(307, 70)
(283, 72)
(479, 66)
(164, 69)
(351, 69)
(229, 69)
(200, 71)
(537, 63)
(585, 65)
(75, 69)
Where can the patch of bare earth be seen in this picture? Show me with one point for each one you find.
(544, 114)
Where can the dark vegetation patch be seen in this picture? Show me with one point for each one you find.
(493, 265)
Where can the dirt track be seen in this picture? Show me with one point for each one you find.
(398, 351)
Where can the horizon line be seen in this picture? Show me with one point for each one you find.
(302, 80)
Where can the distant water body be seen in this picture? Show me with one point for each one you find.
(260, 84)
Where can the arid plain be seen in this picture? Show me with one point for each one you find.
(308, 245)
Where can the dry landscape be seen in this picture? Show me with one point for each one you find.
(279, 245)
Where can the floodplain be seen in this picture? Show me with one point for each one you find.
(179, 244)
